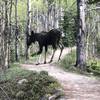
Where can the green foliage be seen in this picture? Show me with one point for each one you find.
(14, 72)
(94, 66)
(37, 85)
(69, 27)
(68, 61)
(93, 1)
(50, 1)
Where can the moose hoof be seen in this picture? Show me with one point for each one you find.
(59, 59)
(45, 62)
(37, 63)
(50, 61)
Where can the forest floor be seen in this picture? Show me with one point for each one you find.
(75, 86)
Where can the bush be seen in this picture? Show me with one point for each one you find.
(14, 72)
(68, 61)
(94, 66)
(36, 87)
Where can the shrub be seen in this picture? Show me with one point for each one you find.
(68, 60)
(94, 66)
(36, 87)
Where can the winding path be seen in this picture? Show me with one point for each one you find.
(75, 87)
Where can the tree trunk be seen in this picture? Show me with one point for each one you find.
(5, 45)
(1, 45)
(28, 25)
(9, 37)
(2, 58)
(16, 33)
(81, 60)
(37, 19)
(48, 17)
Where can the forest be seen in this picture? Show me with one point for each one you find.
(40, 39)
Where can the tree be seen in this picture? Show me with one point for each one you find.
(69, 25)
(6, 34)
(1, 45)
(16, 33)
(9, 35)
(81, 31)
(28, 26)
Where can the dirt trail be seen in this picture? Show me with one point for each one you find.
(76, 87)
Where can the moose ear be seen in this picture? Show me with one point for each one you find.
(32, 32)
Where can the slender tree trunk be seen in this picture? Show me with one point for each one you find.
(54, 16)
(48, 16)
(81, 60)
(57, 16)
(9, 37)
(16, 33)
(5, 38)
(28, 26)
(37, 19)
(1, 44)
(2, 58)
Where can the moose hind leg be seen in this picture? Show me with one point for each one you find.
(61, 46)
(39, 56)
(52, 55)
(45, 54)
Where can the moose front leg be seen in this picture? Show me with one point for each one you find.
(52, 55)
(46, 48)
(61, 46)
(39, 55)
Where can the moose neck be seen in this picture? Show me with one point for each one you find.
(37, 37)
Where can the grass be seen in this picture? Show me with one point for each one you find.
(68, 61)
(33, 58)
(37, 85)
(94, 66)
(14, 72)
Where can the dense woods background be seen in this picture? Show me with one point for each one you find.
(78, 20)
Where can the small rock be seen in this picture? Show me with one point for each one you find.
(91, 73)
(56, 95)
(22, 81)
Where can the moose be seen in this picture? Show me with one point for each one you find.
(45, 39)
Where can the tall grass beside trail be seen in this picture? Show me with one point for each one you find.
(68, 61)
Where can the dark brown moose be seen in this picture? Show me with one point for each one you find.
(45, 39)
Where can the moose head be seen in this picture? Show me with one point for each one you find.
(31, 38)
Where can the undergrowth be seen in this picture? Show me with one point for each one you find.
(14, 72)
(36, 86)
(94, 66)
(68, 62)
